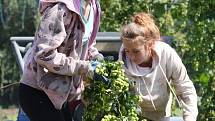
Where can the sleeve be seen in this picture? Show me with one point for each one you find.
(184, 87)
(93, 53)
(50, 35)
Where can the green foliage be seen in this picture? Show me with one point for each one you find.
(17, 18)
(201, 39)
(8, 114)
(118, 12)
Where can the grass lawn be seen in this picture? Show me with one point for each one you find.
(8, 114)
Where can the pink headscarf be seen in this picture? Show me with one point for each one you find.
(73, 5)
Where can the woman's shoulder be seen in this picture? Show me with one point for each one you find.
(162, 44)
(161, 47)
(164, 50)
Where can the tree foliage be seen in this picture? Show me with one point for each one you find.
(190, 22)
(17, 18)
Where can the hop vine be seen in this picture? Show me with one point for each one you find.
(113, 102)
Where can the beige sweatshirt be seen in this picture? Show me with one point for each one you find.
(152, 85)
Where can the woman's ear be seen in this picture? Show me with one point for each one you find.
(150, 45)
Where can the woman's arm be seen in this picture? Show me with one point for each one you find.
(184, 87)
(50, 35)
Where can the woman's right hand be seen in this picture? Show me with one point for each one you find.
(95, 76)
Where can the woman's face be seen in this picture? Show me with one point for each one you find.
(137, 52)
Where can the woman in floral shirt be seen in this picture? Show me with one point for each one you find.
(59, 59)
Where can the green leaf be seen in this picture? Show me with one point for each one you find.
(204, 78)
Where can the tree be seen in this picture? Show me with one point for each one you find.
(17, 18)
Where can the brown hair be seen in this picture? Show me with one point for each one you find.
(141, 28)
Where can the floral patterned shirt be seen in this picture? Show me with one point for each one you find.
(55, 63)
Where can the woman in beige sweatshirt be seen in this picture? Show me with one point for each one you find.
(154, 66)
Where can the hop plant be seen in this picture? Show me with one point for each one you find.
(113, 102)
